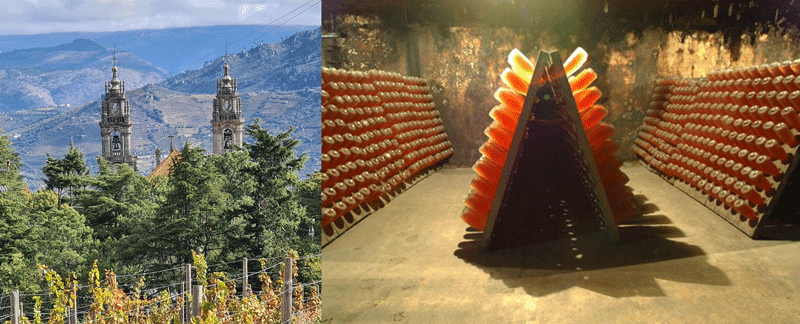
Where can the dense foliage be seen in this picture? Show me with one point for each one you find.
(250, 203)
(222, 301)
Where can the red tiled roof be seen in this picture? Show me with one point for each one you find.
(164, 167)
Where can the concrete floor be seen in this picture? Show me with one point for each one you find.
(414, 261)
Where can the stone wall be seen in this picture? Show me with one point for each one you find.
(464, 63)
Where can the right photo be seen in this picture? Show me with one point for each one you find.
(529, 161)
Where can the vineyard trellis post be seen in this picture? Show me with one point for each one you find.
(245, 289)
(193, 296)
(72, 314)
(74, 311)
(286, 305)
(187, 286)
(197, 299)
(15, 313)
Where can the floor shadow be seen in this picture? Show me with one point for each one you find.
(649, 220)
(627, 268)
(644, 207)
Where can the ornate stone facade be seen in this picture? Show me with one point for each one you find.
(115, 124)
(227, 122)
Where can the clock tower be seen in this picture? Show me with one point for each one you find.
(226, 120)
(115, 123)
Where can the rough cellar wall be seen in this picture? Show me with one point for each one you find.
(365, 44)
(464, 63)
(627, 68)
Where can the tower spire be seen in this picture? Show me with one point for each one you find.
(227, 121)
(225, 59)
(171, 146)
(114, 61)
(115, 125)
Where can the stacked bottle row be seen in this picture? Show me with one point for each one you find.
(500, 132)
(654, 144)
(379, 129)
(730, 137)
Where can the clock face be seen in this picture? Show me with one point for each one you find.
(115, 107)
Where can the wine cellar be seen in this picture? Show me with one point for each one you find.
(730, 141)
(535, 161)
(380, 133)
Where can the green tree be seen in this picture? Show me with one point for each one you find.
(51, 236)
(59, 237)
(275, 218)
(14, 229)
(308, 192)
(239, 185)
(119, 206)
(309, 234)
(64, 176)
(190, 216)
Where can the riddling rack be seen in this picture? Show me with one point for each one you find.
(548, 170)
(549, 186)
(730, 141)
(380, 134)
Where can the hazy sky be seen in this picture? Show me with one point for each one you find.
(45, 16)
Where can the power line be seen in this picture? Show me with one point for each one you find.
(245, 47)
(284, 15)
(276, 27)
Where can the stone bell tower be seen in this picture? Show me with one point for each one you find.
(115, 123)
(227, 121)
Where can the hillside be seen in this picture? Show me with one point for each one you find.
(180, 105)
(292, 64)
(157, 112)
(172, 49)
(71, 74)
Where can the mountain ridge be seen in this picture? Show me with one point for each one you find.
(78, 44)
(304, 72)
(157, 110)
(168, 48)
(72, 73)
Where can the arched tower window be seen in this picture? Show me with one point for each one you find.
(227, 139)
(116, 144)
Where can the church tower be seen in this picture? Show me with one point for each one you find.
(227, 121)
(115, 123)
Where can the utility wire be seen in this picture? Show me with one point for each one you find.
(276, 27)
(245, 47)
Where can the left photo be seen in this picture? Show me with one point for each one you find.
(159, 161)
